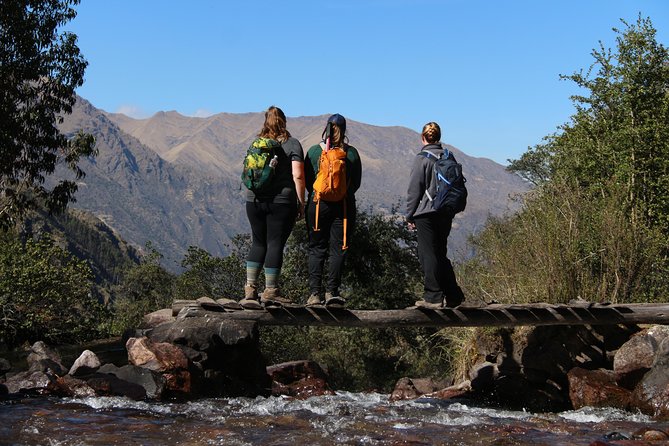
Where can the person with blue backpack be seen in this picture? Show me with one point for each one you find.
(435, 194)
(274, 176)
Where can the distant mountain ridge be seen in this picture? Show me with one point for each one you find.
(173, 180)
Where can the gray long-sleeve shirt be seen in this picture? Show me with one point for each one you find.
(420, 180)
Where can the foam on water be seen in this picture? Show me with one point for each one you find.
(599, 415)
(344, 418)
(118, 402)
(354, 405)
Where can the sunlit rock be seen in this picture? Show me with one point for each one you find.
(156, 356)
(87, 363)
(651, 395)
(635, 357)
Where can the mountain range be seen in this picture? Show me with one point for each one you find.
(173, 180)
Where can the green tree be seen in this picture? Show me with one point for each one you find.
(40, 69)
(211, 276)
(596, 226)
(619, 134)
(145, 288)
(45, 294)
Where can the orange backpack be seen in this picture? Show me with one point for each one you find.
(330, 184)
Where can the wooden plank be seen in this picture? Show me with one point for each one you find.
(495, 315)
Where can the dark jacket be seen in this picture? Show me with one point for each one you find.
(421, 179)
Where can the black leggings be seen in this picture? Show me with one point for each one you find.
(271, 224)
(327, 244)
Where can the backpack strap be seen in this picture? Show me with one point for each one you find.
(345, 245)
(427, 154)
(318, 208)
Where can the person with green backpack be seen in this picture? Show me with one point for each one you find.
(273, 173)
(333, 173)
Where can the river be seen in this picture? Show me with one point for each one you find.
(343, 419)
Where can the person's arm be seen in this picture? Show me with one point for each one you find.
(298, 179)
(355, 177)
(310, 168)
(416, 187)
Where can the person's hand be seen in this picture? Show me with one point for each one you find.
(300, 211)
(411, 226)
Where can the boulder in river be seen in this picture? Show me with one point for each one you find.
(87, 363)
(596, 388)
(299, 379)
(634, 358)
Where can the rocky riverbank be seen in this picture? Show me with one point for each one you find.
(540, 369)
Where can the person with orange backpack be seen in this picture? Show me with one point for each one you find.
(332, 171)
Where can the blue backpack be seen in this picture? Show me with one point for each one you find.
(447, 190)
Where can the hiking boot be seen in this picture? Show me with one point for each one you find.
(314, 300)
(250, 304)
(430, 305)
(251, 300)
(334, 301)
(272, 296)
(251, 292)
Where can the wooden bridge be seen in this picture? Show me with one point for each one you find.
(497, 315)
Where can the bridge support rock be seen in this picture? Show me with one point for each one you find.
(225, 356)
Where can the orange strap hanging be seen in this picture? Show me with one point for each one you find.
(318, 208)
(345, 246)
(316, 228)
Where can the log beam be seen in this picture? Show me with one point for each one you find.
(494, 315)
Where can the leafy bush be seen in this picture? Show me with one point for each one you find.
(565, 244)
(145, 288)
(45, 294)
(596, 226)
(211, 276)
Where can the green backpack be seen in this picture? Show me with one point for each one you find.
(259, 164)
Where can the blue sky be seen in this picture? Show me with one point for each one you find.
(486, 71)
